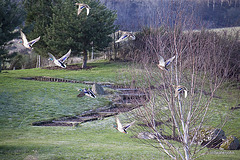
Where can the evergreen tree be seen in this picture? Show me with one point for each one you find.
(39, 13)
(10, 18)
(68, 30)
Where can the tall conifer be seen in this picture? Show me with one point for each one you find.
(60, 28)
(68, 30)
(39, 14)
(10, 17)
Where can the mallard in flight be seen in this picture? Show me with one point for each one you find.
(25, 42)
(119, 126)
(81, 6)
(163, 64)
(88, 93)
(180, 89)
(60, 62)
(125, 36)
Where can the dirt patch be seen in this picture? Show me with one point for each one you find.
(90, 115)
(70, 67)
(121, 102)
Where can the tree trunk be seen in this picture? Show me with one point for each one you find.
(173, 130)
(85, 56)
(114, 47)
(0, 65)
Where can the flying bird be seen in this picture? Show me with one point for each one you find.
(60, 62)
(81, 6)
(25, 42)
(180, 90)
(126, 36)
(163, 64)
(86, 92)
(121, 128)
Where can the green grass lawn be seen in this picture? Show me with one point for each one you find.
(23, 102)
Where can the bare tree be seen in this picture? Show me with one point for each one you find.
(178, 99)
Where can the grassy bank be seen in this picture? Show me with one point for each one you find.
(23, 102)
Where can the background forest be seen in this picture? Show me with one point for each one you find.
(177, 78)
(206, 13)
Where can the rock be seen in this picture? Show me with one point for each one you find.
(30, 157)
(230, 143)
(209, 136)
(76, 124)
(218, 134)
(97, 89)
(146, 135)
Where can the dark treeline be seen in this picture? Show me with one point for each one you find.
(133, 14)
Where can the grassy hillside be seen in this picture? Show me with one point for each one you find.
(233, 31)
(23, 102)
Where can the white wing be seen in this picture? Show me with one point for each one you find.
(161, 61)
(185, 93)
(79, 7)
(169, 61)
(51, 56)
(128, 125)
(122, 38)
(64, 58)
(34, 41)
(132, 37)
(87, 10)
(79, 10)
(24, 38)
(119, 125)
(178, 90)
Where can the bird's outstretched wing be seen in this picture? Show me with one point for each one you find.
(119, 125)
(128, 125)
(88, 11)
(122, 38)
(181, 89)
(91, 93)
(24, 38)
(51, 56)
(34, 41)
(161, 61)
(81, 7)
(178, 90)
(64, 58)
(169, 61)
(132, 36)
(185, 93)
